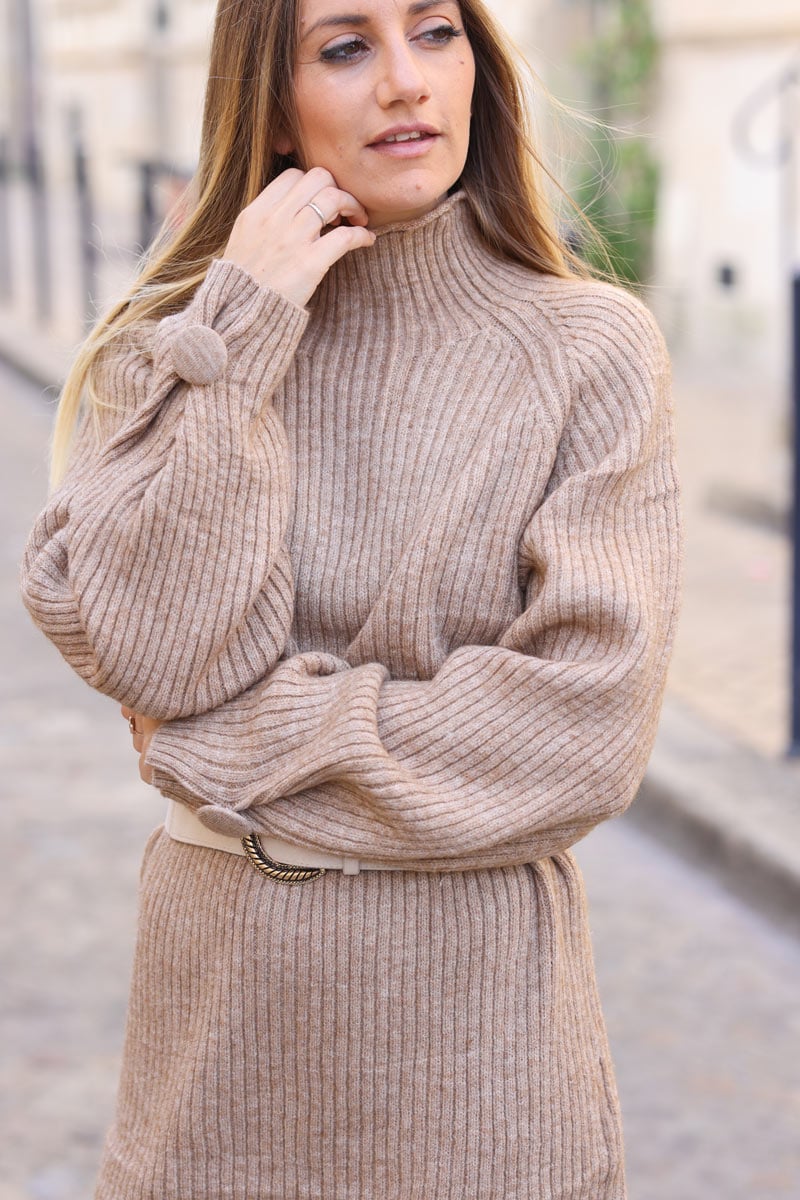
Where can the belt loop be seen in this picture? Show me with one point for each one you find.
(350, 866)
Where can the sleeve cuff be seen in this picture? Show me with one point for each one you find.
(233, 326)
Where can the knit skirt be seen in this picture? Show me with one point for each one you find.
(391, 1035)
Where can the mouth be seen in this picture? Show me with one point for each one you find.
(397, 135)
(405, 143)
(394, 138)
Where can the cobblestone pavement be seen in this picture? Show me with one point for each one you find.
(701, 1001)
(700, 994)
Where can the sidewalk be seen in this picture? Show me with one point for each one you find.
(726, 808)
(719, 787)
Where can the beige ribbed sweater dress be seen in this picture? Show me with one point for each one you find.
(402, 570)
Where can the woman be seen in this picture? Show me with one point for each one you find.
(378, 548)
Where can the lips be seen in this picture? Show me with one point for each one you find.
(398, 134)
(405, 137)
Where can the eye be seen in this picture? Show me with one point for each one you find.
(343, 51)
(442, 33)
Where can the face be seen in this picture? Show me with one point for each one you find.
(372, 70)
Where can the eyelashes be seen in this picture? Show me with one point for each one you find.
(353, 48)
(343, 52)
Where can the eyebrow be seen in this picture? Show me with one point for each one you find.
(363, 19)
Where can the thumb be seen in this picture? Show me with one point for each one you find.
(339, 241)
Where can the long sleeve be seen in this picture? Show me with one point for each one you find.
(510, 751)
(159, 567)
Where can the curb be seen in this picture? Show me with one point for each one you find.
(727, 810)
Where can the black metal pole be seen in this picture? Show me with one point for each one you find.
(83, 196)
(41, 239)
(34, 166)
(147, 203)
(794, 745)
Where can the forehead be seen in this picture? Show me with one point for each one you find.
(358, 12)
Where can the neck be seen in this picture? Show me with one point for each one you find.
(381, 220)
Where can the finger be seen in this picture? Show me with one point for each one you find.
(271, 196)
(312, 181)
(147, 725)
(138, 742)
(279, 187)
(126, 712)
(334, 202)
(145, 772)
(340, 241)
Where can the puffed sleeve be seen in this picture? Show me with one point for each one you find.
(158, 568)
(512, 751)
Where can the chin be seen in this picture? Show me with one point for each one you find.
(403, 203)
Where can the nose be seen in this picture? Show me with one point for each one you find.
(401, 76)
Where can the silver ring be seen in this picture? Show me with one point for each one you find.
(318, 211)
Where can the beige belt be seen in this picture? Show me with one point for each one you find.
(272, 856)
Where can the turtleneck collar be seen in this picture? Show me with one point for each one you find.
(416, 270)
(436, 213)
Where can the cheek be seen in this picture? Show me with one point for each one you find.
(463, 87)
(470, 80)
(312, 123)
(325, 123)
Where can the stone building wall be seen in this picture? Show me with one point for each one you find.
(729, 232)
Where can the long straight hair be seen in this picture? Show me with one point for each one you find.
(249, 105)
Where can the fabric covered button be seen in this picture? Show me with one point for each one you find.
(223, 820)
(199, 355)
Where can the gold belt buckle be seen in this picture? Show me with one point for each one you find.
(282, 872)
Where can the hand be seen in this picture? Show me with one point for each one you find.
(145, 728)
(277, 237)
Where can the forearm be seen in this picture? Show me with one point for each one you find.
(465, 769)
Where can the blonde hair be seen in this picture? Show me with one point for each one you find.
(249, 105)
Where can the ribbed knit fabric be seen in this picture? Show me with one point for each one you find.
(402, 571)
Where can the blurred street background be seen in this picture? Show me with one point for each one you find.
(695, 892)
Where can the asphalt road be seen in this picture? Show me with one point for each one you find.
(702, 996)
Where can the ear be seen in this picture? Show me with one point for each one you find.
(283, 144)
